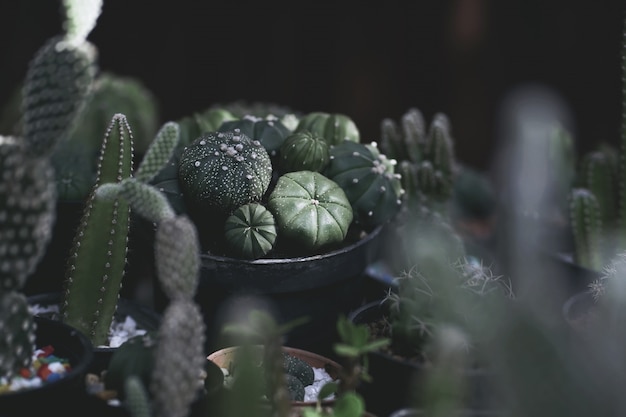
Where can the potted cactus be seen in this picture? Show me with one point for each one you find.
(445, 287)
(289, 215)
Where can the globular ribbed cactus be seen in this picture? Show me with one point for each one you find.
(58, 79)
(223, 170)
(586, 224)
(27, 213)
(250, 232)
(270, 131)
(368, 179)
(304, 150)
(333, 127)
(98, 257)
(310, 210)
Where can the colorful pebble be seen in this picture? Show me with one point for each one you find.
(45, 368)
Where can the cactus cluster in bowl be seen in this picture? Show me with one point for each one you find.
(269, 187)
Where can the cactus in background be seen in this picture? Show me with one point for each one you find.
(270, 131)
(602, 173)
(98, 258)
(426, 158)
(27, 213)
(368, 179)
(223, 170)
(310, 209)
(304, 151)
(333, 127)
(586, 223)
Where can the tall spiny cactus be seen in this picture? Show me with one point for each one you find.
(58, 80)
(179, 351)
(98, 257)
(27, 213)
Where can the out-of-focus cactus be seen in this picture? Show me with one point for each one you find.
(27, 213)
(75, 157)
(59, 77)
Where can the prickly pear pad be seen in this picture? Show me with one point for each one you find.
(310, 209)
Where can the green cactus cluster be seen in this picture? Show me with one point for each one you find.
(425, 157)
(251, 160)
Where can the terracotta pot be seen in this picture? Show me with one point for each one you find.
(225, 356)
(66, 393)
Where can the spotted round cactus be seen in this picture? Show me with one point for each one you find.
(250, 231)
(224, 170)
(304, 151)
(369, 180)
(333, 127)
(270, 131)
(310, 209)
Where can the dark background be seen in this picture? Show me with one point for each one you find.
(460, 57)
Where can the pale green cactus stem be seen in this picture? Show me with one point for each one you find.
(137, 401)
(159, 152)
(58, 81)
(586, 226)
(98, 258)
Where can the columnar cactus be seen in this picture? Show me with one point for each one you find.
(602, 173)
(425, 158)
(223, 170)
(98, 258)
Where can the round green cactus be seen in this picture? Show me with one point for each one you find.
(224, 170)
(369, 180)
(250, 231)
(270, 131)
(304, 151)
(333, 127)
(310, 209)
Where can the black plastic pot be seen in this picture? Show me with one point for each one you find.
(65, 394)
(146, 318)
(395, 380)
(319, 287)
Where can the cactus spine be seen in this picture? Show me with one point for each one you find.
(98, 258)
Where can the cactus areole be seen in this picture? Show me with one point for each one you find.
(224, 170)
